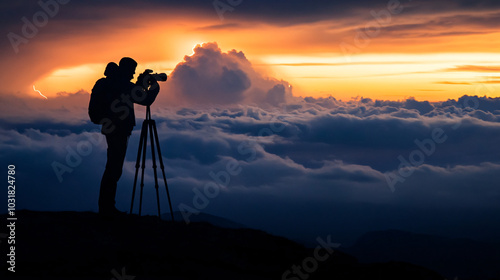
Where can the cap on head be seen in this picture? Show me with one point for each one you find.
(128, 64)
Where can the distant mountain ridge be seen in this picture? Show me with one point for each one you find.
(452, 257)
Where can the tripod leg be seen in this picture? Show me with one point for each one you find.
(163, 169)
(145, 144)
(152, 125)
(137, 163)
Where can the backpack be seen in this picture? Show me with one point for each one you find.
(98, 105)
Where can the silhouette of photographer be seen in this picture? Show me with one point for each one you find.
(112, 101)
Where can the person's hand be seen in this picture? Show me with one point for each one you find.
(146, 80)
(141, 80)
(153, 83)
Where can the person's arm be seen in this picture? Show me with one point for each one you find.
(145, 96)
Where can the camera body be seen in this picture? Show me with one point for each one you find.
(147, 76)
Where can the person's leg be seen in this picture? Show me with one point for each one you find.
(117, 148)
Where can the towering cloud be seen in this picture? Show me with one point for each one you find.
(210, 76)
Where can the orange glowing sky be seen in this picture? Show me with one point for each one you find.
(433, 56)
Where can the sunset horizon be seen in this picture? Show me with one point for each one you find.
(389, 50)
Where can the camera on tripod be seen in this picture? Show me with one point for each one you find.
(147, 77)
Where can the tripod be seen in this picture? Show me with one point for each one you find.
(149, 124)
